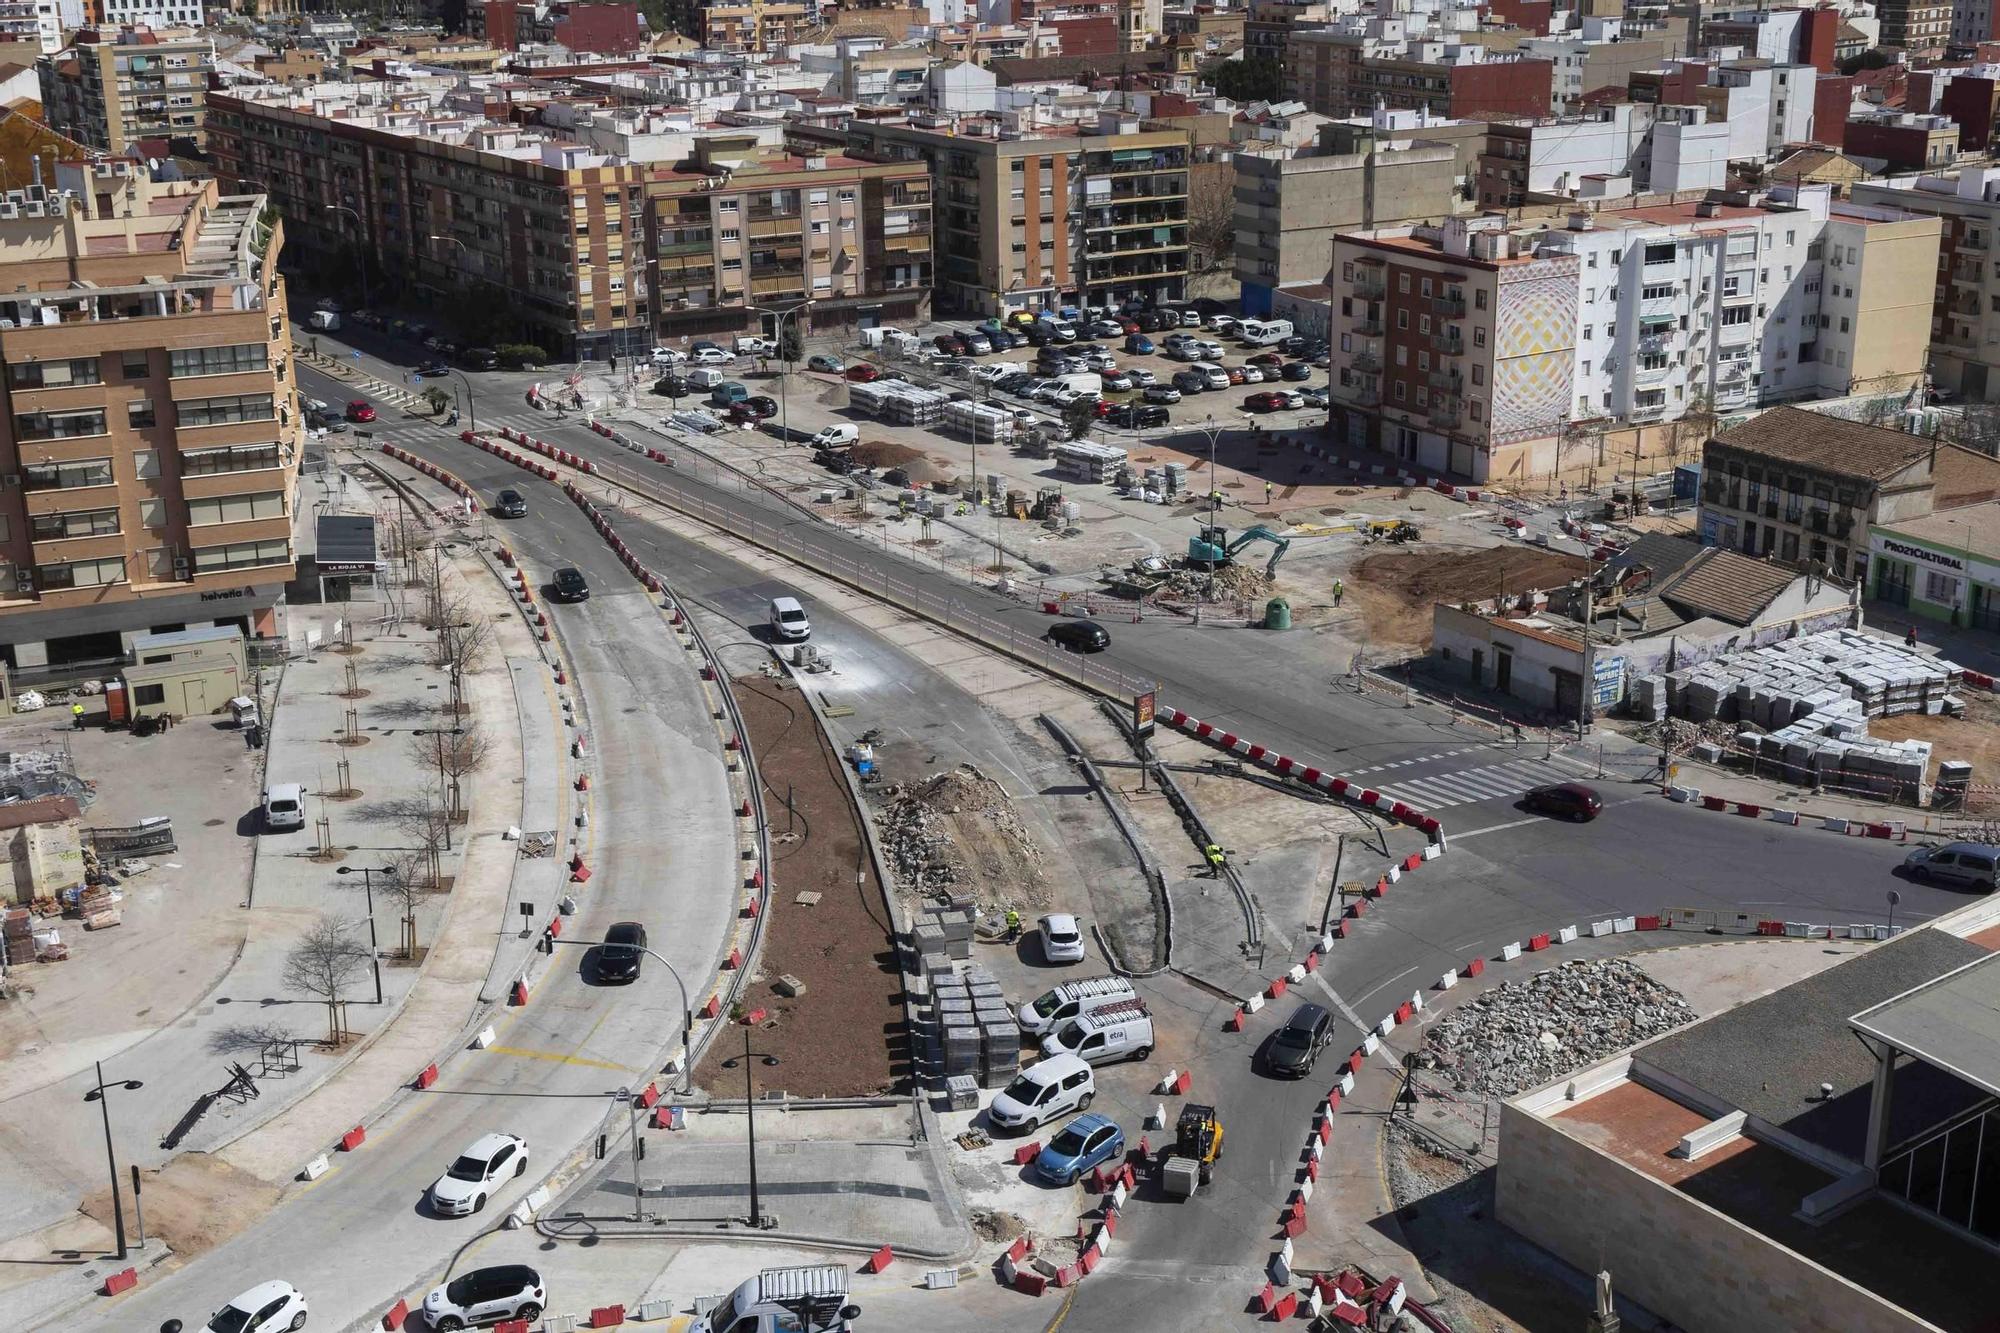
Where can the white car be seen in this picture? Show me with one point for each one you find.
(478, 1173)
(756, 347)
(1062, 938)
(1142, 378)
(1100, 361)
(989, 373)
(1066, 394)
(265, 1308)
(1107, 328)
(711, 356)
(668, 356)
(1293, 398)
(1253, 375)
(486, 1296)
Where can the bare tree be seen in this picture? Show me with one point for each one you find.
(455, 754)
(1693, 429)
(1211, 229)
(407, 884)
(421, 819)
(461, 646)
(323, 964)
(1586, 436)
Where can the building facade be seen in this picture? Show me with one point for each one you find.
(1028, 216)
(115, 87)
(1943, 567)
(1965, 301)
(152, 431)
(1915, 26)
(1337, 73)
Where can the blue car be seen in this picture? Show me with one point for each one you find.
(1085, 1142)
(1138, 344)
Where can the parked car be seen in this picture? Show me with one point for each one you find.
(951, 344)
(1003, 340)
(863, 372)
(1107, 328)
(1161, 393)
(570, 585)
(1295, 1047)
(1264, 400)
(480, 358)
(1138, 344)
(1138, 416)
(1083, 1144)
(1295, 344)
(360, 410)
(826, 365)
(1569, 800)
(1293, 398)
(1968, 864)
(432, 368)
(711, 356)
(1315, 397)
(1190, 381)
(1079, 636)
(978, 344)
(1117, 381)
(1141, 377)
(623, 952)
(1271, 359)
(1295, 372)
(509, 504)
(760, 407)
(267, 1308)
(486, 1296)
(1043, 1091)
(1099, 361)
(672, 386)
(476, 1174)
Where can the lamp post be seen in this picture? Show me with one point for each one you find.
(548, 945)
(358, 238)
(368, 874)
(97, 1094)
(1214, 433)
(785, 365)
(757, 1220)
(451, 785)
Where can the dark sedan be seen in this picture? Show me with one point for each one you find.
(1080, 636)
(1566, 800)
(623, 950)
(1295, 372)
(1296, 1046)
(571, 586)
(509, 504)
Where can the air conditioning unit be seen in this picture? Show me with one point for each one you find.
(180, 567)
(13, 480)
(34, 209)
(24, 582)
(9, 209)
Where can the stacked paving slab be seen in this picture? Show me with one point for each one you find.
(1805, 704)
(972, 1032)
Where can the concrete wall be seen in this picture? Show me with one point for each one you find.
(1678, 1257)
(1532, 681)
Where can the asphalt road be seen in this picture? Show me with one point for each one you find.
(1507, 874)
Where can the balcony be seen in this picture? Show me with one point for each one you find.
(1445, 413)
(1652, 374)
(1449, 380)
(1650, 412)
(1448, 344)
(1656, 343)
(1367, 362)
(1369, 326)
(1368, 397)
(1370, 286)
(1451, 307)
(1663, 307)
(1974, 242)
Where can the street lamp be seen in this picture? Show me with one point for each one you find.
(358, 245)
(548, 945)
(368, 874)
(785, 371)
(451, 786)
(757, 1219)
(1214, 432)
(96, 1094)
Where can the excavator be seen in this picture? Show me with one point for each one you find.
(1213, 549)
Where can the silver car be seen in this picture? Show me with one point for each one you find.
(1969, 865)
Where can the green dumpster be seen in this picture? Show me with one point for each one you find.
(1277, 614)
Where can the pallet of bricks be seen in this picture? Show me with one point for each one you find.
(18, 934)
(977, 1038)
(100, 910)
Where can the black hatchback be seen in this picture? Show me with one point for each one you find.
(571, 586)
(1295, 1046)
(1080, 636)
(510, 504)
(623, 950)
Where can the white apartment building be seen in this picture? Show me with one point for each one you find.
(153, 13)
(40, 23)
(1736, 306)
(1624, 149)
(1770, 105)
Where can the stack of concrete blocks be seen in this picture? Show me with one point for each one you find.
(999, 1030)
(957, 1028)
(1649, 698)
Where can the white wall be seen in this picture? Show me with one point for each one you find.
(1688, 157)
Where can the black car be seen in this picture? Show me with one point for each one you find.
(571, 586)
(432, 369)
(1079, 636)
(480, 358)
(1009, 383)
(1295, 371)
(509, 504)
(759, 406)
(1567, 800)
(1295, 344)
(672, 386)
(623, 950)
(1138, 416)
(896, 477)
(1295, 1046)
(1037, 335)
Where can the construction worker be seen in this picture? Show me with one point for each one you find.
(1215, 859)
(1013, 924)
(1339, 591)
(76, 716)
(1267, 492)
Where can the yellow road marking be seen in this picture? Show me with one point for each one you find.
(558, 1057)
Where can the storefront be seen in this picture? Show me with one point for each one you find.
(1943, 567)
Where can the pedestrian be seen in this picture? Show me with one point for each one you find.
(614, 363)
(76, 717)
(1909, 641)
(1013, 924)
(1267, 492)
(1339, 591)
(1215, 859)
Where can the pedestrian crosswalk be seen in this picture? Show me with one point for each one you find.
(1432, 792)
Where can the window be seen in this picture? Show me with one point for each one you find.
(1403, 283)
(729, 205)
(145, 463)
(1735, 314)
(1479, 299)
(235, 458)
(732, 233)
(59, 425)
(236, 508)
(1427, 287)
(1402, 319)
(220, 411)
(242, 555)
(76, 523)
(67, 476)
(134, 365)
(1479, 337)
(227, 360)
(1940, 588)
(59, 374)
(1423, 324)
(1478, 373)
(846, 196)
(1660, 253)
(1587, 331)
(81, 573)
(1402, 392)
(847, 224)
(1661, 291)
(149, 694)
(139, 414)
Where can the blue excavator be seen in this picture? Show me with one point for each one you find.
(1212, 549)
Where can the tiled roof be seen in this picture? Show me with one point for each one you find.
(1727, 585)
(1817, 439)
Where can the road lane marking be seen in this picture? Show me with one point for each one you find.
(558, 1057)
(1379, 986)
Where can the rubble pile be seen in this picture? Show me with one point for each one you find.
(1526, 1033)
(931, 828)
(1228, 583)
(1680, 735)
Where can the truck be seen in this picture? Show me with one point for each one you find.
(810, 1299)
(326, 321)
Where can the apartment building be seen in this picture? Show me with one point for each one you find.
(1603, 53)
(754, 25)
(152, 428)
(1965, 295)
(1559, 349)
(1625, 148)
(443, 201)
(1032, 212)
(37, 24)
(1291, 203)
(1920, 27)
(1902, 140)
(117, 86)
(739, 236)
(151, 13)
(1345, 72)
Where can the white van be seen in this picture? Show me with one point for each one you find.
(285, 806)
(835, 437)
(1121, 1030)
(1043, 1091)
(1054, 1008)
(1213, 375)
(781, 1299)
(705, 377)
(1264, 332)
(788, 619)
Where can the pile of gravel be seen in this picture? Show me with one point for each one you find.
(1526, 1033)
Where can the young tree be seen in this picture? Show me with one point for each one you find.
(1211, 220)
(1079, 418)
(405, 887)
(439, 400)
(791, 346)
(323, 964)
(1694, 429)
(454, 756)
(1585, 437)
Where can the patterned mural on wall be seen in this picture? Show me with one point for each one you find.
(1533, 360)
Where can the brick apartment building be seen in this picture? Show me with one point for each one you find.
(1332, 74)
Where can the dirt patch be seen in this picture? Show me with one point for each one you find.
(993, 1225)
(1974, 738)
(195, 1203)
(844, 1036)
(1395, 591)
(957, 833)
